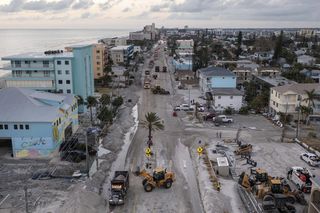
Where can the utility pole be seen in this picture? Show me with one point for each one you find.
(26, 198)
(87, 153)
(299, 110)
(189, 97)
(285, 121)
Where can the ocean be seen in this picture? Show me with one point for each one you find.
(16, 41)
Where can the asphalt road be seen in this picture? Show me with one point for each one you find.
(184, 195)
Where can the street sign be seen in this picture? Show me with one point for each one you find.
(200, 150)
(148, 152)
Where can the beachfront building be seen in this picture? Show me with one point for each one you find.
(149, 32)
(49, 71)
(54, 71)
(34, 123)
(115, 41)
(121, 54)
(98, 60)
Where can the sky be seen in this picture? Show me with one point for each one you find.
(134, 14)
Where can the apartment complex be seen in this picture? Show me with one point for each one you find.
(121, 54)
(49, 71)
(149, 32)
(287, 98)
(34, 123)
(184, 47)
(98, 60)
(54, 71)
(115, 41)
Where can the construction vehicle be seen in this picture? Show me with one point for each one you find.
(159, 90)
(157, 69)
(147, 83)
(244, 149)
(275, 193)
(160, 178)
(164, 69)
(119, 187)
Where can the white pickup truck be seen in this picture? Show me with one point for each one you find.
(310, 158)
(224, 118)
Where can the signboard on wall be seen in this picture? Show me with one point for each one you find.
(32, 143)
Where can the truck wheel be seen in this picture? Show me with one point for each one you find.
(148, 187)
(168, 184)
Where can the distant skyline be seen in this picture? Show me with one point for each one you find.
(134, 14)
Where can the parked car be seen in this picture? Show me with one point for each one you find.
(224, 118)
(183, 107)
(310, 158)
(201, 109)
(209, 116)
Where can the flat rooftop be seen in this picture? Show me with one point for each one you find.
(38, 55)
(275, 81)
(121, 47)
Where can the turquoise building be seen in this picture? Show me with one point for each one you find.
(34, 123)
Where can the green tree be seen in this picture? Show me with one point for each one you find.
(278, 47)
(152, 122)
(311, 97)
(117, 102)
(239, 42)
(105, 99)
(91, 102)
(105, 115)
(79, 100)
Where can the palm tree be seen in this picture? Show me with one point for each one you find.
(152, 122)
(311, 97)
(91, 102)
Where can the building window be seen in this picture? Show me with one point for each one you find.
(19, 73)
(68, 90)
(45, 63)
(279, 96)
(231, 97)
(6, 126)
(60, 91)
(274, 103)
(59, 72)
(17, 63)
(271, 91)
(67, 72)
(98, 74)
(219, 97)
(59, 62)
(98, 62)
(98, 51)
(1, 126)
(27, 126)
(67, 81)
(46, 73)
(20, 126)
(27, 62)
(29, 73)
(66, 62)
(15, 126)
(60, 82)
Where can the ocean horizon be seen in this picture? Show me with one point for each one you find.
(16, 41)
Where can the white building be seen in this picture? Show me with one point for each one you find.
(306, 60)
(49, 71)
(227, 97)
(184, 47)
(115, 41)
(121, 54)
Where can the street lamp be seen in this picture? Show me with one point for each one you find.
(299, 110)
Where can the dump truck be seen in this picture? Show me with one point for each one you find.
(160, 178)
(164, 69)
(157, 69)
(119, 187)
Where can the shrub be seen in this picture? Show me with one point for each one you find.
(228, 111)
(244, 110)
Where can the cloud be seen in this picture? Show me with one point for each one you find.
(127, 9)
(39, 5)
(109, 4)
(85, 15)
(82, 4)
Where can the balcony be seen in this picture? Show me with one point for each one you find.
(34, 66)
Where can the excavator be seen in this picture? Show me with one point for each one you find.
(244, 149)
(275, 192)
(160, 178)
